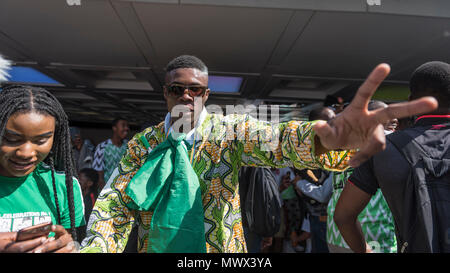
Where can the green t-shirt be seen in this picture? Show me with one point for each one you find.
(29, 200)
(376, 219)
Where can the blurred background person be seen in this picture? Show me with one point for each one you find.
(82, 150)
(109, 152)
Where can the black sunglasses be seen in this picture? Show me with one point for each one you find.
(178, 90)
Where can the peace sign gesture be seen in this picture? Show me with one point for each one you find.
(358, 128)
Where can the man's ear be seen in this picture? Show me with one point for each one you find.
(206, 96)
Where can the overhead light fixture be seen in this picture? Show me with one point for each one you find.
(73, 2)
(225, 84)
(28, 75)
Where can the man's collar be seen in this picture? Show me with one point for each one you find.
(190, 135)
(432, 119)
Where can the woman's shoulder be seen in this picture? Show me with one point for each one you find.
(45, 172)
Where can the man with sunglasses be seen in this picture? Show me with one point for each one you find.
(218, 146)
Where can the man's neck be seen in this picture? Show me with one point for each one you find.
(116, 140)
(79, 146)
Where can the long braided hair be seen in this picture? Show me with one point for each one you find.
(24, 99)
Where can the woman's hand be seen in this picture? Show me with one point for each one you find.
(8, 243)
(61, 243)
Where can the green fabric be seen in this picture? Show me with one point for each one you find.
(376, 219)
(29, 200)
(167, 185)
(111, 158)
(288, 193)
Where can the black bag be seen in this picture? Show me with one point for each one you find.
(426, 215)
(260, 201)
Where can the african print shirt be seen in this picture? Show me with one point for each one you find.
(376, 219)
(227, 143)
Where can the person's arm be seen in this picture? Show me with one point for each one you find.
(358, 128)
(350, 204)
(97, 165)
(321, 193)
(111, 221)
(259, 143)
(304, 236)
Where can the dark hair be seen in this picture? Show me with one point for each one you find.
(317, 113)
(116, 120)
(25, 99)
(186, 61)
(432, 79)
(92, 175)
(376, 104)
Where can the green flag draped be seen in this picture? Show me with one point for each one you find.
(167, 185)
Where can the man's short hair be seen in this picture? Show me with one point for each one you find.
(186, 61)
(116, 120)
(432, 79)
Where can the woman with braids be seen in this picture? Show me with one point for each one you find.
(37, 181)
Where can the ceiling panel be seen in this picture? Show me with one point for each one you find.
(56, 32)
(226, 39)
(349, 45)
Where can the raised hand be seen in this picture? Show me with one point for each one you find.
(358, 128)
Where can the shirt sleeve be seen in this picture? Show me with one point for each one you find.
(306, 226)
(364, 178)
(286, 144)
(111, 221)
(321, 193)
(98, 157)
(78, 205)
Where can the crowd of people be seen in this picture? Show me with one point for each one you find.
(348, 180)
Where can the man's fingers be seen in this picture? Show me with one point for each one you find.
(406, 109)
(324, 131)
(369, 86)
(376, 144)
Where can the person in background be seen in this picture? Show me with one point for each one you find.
(82, 150)
(88, 179)
(376, 218)
(420, 207)
(109, 152)
(315, 189)
(279, 237)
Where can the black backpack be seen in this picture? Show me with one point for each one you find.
(260, 201)
(426, 211)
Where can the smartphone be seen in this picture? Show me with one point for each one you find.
(34, 231)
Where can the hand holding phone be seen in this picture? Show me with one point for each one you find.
(34, 232)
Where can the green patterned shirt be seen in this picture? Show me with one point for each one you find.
(111, 158)
(226, 143)
(376, 219)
